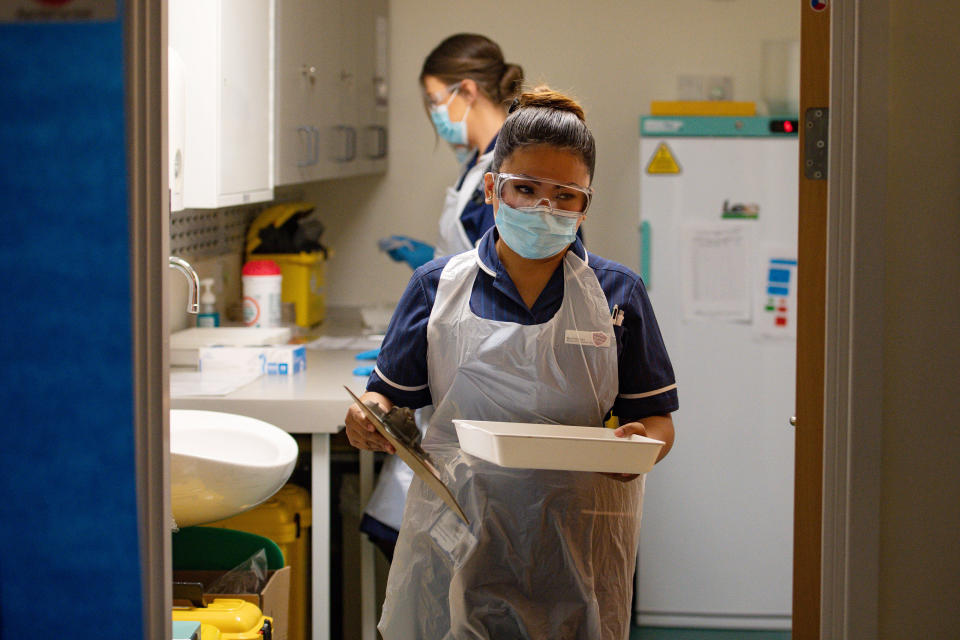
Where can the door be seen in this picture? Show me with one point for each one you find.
(812, 212)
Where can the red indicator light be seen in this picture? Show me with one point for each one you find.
(783, 126)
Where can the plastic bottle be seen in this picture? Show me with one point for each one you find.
(262, 288)
(208, 316)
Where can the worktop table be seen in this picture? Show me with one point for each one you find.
(314, 402)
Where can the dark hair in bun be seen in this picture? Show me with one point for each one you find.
(543, 116)
(470, 55)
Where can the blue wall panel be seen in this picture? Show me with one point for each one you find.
(69, 560)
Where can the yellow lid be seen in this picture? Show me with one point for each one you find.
(702, 108)
(276, 216)
(226, 614)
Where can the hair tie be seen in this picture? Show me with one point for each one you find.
(514, 105)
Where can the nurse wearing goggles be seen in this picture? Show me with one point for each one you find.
(467, 86)
(494, 334)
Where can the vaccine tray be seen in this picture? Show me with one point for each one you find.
(556, 446)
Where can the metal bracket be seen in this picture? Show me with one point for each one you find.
(816, 131)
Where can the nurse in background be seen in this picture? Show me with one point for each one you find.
(467, 87)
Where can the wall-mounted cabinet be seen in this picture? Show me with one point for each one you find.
(225, 50)
(331, 89)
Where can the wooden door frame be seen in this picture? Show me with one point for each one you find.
(853, 271)
(853, 379)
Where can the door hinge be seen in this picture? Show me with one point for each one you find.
(816, 130)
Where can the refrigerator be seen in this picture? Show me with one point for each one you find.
(718, 212)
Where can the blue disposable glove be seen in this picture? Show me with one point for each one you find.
(368, 355)
(363, 370)
(404, 249)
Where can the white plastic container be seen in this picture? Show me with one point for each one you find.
(186, 344)
(262, 291)
(556, 446)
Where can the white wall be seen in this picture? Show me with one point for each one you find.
(614, 56)
(920, 500)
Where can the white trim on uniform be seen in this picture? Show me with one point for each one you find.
(394, 384)
(485, 268)
(647, 394)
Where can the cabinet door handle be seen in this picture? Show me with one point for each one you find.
(342, 151)
(303, 136)
(351, 144)
(381, 148)
(315, 157)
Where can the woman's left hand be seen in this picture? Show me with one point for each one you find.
(625, 431)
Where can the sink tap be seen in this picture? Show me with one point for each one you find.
(181, 265)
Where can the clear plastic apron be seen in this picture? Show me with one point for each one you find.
(453, 238)
(390, 493)
(548, 554)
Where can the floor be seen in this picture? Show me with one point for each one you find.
(657, 633)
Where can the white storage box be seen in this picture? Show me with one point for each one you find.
(556, 446)
(281, 359)
(185, 345)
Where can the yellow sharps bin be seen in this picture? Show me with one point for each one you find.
(304, 273)
(286, 519)
(303, 283)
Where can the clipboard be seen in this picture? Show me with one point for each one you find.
(415, 457)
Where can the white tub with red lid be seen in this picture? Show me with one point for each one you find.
(262, 290)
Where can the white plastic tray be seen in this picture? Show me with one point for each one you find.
(556, 446)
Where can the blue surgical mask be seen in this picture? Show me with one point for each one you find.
(453, 132)
(535, 232)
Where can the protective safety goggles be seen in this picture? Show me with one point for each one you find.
(437, 98)
(521, 191)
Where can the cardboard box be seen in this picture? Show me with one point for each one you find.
(273, 599)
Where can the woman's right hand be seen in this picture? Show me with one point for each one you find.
(360, 431)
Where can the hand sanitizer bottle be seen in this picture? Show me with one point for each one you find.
(208, 316)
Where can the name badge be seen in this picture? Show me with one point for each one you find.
(588, 338)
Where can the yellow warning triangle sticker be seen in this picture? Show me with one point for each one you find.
(663, 161)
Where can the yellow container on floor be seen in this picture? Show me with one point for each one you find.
(233, 619)
(286, 519)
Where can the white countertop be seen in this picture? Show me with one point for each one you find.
(312, 401)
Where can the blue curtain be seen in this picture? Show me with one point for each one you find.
(69, 560)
